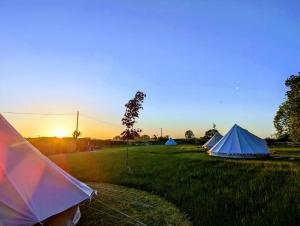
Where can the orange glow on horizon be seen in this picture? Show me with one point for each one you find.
(41, 126)
(60, 132)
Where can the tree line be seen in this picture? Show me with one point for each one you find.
(287, 119)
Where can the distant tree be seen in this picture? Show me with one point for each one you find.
(117, 138)
(281, 121)
(287, 119)
(132, 110)
(144, 137)
(189, 135)
(76, 134)
(154, 137)
(163, 139)
(210, 133)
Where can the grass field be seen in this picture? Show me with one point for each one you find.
(122, 206)
(211, 191)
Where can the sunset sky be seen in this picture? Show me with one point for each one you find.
(199, 62)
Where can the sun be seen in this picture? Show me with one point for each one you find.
(60, 132)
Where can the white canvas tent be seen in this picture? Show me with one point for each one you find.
(33, 190)
(240, 143)
(171, 142)
(213, 141)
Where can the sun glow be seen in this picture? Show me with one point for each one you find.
(60, 132)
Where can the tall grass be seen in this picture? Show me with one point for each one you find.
(212, 191)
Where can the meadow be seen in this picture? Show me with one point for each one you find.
(123, 206)
(210, 191)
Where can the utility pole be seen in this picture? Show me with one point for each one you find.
(161, 132)
(77, 121)
(76, 133)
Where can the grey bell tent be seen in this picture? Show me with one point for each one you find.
(33, 190)
(171, 142)
(240, 143)
(213, 141)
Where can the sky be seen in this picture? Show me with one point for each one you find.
(199, 62)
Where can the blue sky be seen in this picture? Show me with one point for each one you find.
(200, 62)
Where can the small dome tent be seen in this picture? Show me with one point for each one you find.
(213, 141)
(240, 143)
(171, 142)
(33, 190)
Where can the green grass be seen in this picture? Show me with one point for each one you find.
(287, 151)
(211, 191)
(116, 201)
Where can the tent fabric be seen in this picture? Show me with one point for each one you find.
(240, 143)
(171, 142)
(32, 188)
(213, 141)
(66, 218)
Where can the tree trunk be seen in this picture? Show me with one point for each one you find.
(126, 155)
